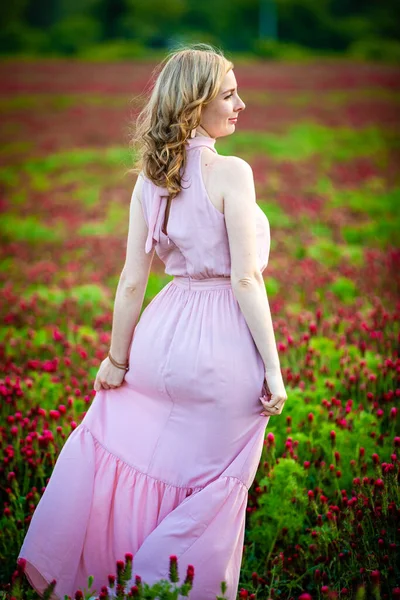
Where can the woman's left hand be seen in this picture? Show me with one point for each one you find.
(109, 376)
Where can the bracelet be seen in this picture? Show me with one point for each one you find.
(116, 364)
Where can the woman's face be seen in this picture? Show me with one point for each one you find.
(216, 117)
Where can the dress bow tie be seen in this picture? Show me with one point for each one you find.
(157, 214)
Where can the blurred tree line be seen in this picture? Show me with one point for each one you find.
(132, 28)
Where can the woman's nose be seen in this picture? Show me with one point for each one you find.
(241, 105)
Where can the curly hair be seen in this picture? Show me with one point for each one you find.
(188, 78)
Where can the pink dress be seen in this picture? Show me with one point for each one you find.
(162, 465)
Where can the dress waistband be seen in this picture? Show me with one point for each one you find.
(203, 284)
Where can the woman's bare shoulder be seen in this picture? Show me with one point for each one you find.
(137, 191)
(230, 169)
(233, 161)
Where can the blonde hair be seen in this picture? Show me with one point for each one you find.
(188, 79)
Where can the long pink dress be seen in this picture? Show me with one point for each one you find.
(162, 465)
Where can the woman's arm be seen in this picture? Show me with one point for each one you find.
(133, 280)
(253, 301)
(246, 278)
(127, 306)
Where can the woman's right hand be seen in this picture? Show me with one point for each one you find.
(108, 376)
(274, 393)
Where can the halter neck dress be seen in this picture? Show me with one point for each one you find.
(162, 464)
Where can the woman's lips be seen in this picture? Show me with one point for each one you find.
(233, 119)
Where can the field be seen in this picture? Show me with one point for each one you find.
(323, 141)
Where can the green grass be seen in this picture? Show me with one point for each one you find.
(299, 142)
(116, 156)
(345, 289)
(61, 102)
(276, 216)
(114, 222)
(306, 139)
(155, 284)
(83, 294)
(369, 201)
(378, 234)
(29, 229)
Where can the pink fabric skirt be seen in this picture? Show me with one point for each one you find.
(161, 465)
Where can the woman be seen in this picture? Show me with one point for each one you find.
(163, 460)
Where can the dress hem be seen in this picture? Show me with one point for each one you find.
(190, 488)
(31, 564)
(138, 471)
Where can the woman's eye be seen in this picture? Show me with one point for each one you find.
(228, 96)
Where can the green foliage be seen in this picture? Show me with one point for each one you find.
(6, 264)
(319, 229)
(276, 216)
(152, 21)
(309, 23)
(129, 30)
(324, 186)
(271, 285)
(50, 294)
(326, 346)
(84, 294)
(15, 148)
(53, 102)
(345, 289)
(113, 156)
(330, 255)
(44, 392)
(9, 176)
(352, 254)
(17, 37)
(275, 49)
(369, 199)
(75, 33)
(115, 222)
(376, 49)
(300, 142)
(372, 233)
(325, 251)
(88, 195)
(88, 294)
(114, 50)
(328, 356)
(300, 252)
(155, 284)
(372, 360)
(277, 508)
(305, 139)
(29, 229)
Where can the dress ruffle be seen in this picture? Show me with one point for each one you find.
(96, 507)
